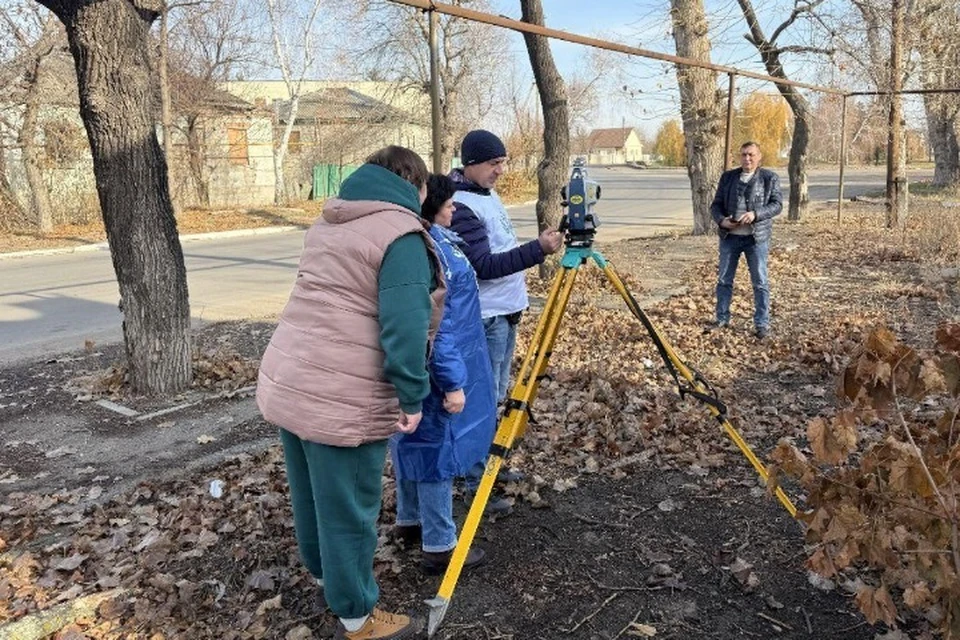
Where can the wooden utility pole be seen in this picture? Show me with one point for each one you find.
(435, 95)
(896, 174)
(728, 143)
(843, 156)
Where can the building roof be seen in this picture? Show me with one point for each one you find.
(341, 104)
(193, 95)
(58, 78)
(615, 138)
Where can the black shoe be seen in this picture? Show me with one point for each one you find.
(716, 325)
(762, 332)
(434, 564)
(496, 504)
(509, 475)
(409, 535)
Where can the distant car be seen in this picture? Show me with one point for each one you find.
(637, 164)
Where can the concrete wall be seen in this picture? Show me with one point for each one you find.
(70, 182)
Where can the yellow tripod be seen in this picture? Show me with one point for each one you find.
(513, 424)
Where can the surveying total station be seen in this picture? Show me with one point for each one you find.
(579, 226)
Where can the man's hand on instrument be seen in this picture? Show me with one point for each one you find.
(550, 240)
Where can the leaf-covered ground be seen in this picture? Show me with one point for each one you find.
(637, 515)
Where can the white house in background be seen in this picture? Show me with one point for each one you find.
(619, 145)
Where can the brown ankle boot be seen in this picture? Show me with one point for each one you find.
(433, 564)
(381, 625)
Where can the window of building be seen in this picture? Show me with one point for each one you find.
(238, 147)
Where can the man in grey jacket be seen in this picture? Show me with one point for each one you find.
(748, 199)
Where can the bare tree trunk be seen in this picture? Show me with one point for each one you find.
(450, 137)
(551, 172)
(294, 85)
(197, 161)
(110, 43)
(770, 54)
(896, 176)
(39, 202)
(280, 196)
(799, 197)
(702, 109)
(942, 134)
(938, 44)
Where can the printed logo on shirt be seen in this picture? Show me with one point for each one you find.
(505, 223)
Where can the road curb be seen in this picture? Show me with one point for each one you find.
(103, 246)
(236, 233)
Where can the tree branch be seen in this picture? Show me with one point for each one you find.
(798, 10)
(798, 48)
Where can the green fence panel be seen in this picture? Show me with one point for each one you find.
(327, 179)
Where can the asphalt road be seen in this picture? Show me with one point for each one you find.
(53, 303)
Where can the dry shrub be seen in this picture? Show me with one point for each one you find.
(882, 481)
(12, 215)
(518, 185)
(934, 229)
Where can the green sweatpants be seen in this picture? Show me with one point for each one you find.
(336, 493)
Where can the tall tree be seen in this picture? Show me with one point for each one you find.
(770, 52)
(209, 43)
(764, 119)
(471, 57)
(670, 145)
(552, 170)
(701, 105)
(110, 43)
(936, 26)
(37, 35)
(294, 69)
(896, 176)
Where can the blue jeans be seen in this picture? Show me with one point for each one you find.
(429, 504)
(756, 253)
(501, 341)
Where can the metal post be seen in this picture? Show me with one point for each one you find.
(843, 155)
(435, 92)
(728, 145)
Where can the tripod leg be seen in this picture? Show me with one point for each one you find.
(667, 352)
(512, 424)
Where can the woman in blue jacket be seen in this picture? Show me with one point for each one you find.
(459, 415)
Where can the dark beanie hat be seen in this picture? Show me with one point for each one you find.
(479, 146)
